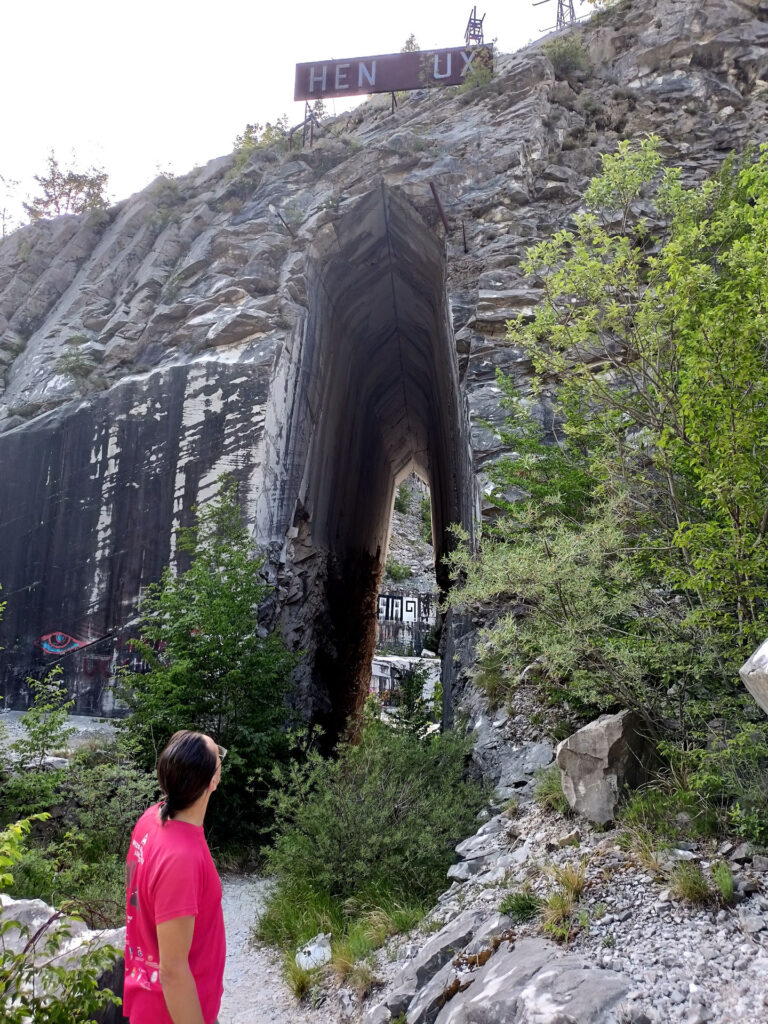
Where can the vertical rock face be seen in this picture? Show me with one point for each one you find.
(320, 356)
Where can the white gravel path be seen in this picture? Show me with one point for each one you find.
(254, 990)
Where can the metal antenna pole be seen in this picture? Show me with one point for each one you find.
(473, 34)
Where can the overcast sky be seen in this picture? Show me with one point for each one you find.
(167, 84)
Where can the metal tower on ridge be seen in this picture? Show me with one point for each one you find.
(566, 14)
(473, 35)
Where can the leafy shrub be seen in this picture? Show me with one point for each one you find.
(415, 711)
(396, 571)
(480, 72)
(33, 984)
(567, 54)
(210, 669)
(425, 511)
(256, 136)
(634, 564)
(76, 364)
(373, 828)
(403, 499)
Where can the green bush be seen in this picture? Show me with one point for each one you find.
(375, 827)
(634, 566)
(403, 499)
(210, 667)
(567, 54)
(76, 364)
(396, 571)
(33, 986)
(425, 511)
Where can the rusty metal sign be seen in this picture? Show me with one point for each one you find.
(389, 72)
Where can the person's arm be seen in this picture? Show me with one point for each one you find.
(174, 939)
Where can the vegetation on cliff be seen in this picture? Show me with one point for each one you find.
(638, 563)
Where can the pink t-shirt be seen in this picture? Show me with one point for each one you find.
(169, 874)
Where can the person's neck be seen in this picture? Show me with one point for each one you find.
(195, 813)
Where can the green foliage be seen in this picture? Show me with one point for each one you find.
(77, 859)
(568, 55)
(521, 906)
(68, 191)
(425, 512)
(211, 669)
(403, 498)
(373, 828)
(480, 72)
(44, 723)
(397, 572)
(750, 824)
(410, 45)
(414, 710)
(12, 845)
(34, 983)
(635, 562)
(256, 137)
(76, 364)
(723, 879)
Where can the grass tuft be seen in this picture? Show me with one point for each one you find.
(521, 906)
(723, 879)
(548, 790)
(688, 882)
(297, 978)
(572, 878)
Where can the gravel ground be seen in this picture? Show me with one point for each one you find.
(254, 991)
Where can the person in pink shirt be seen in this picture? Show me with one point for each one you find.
(174, 941)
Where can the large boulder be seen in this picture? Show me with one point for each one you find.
(754, 675)
(531, 981)
(23, 920)
(600, 761)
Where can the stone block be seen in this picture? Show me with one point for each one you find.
(754, 675)
(600, 761)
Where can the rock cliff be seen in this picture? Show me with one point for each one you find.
(308, 323)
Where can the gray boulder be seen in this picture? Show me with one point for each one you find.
(754, 675)
(600, 761)
(20, 920)
(530, 981)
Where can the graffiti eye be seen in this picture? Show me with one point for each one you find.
(59, 643)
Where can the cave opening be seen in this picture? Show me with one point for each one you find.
(380, 400)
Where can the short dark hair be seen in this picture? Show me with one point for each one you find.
(184, 770)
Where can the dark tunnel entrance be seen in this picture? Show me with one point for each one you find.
(380, 397)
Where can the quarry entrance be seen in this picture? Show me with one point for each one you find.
(375, 395)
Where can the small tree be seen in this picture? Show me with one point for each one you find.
(7, 220)
(67, 190)
(410, 45)
(211, 667)
(44, 723)
(414, 710)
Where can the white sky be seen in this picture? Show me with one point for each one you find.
(155, 85)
